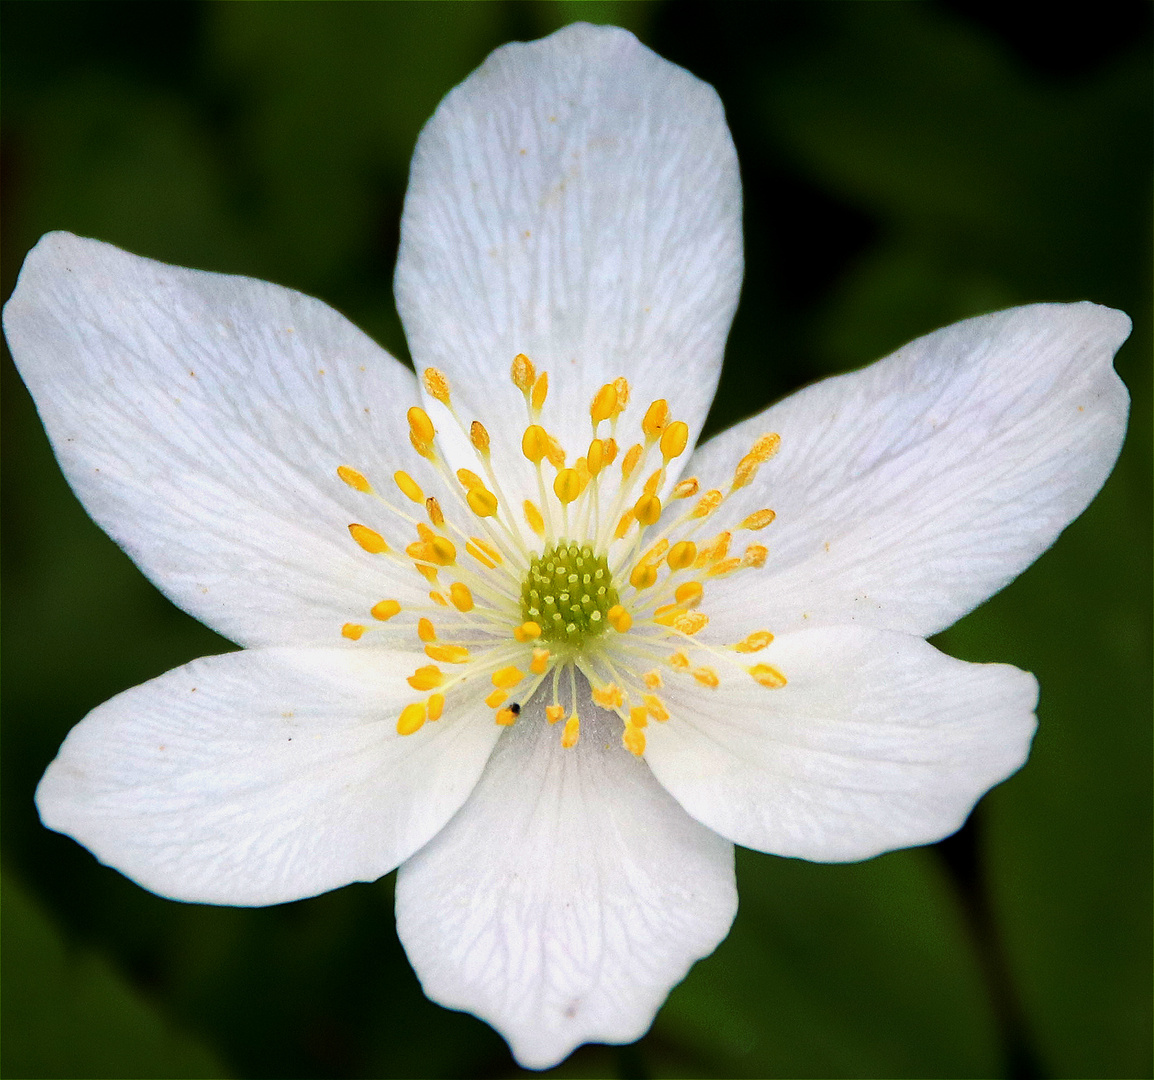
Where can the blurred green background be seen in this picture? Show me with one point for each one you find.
(905, 165)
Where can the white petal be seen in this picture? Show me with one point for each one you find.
(567, 896)
(909, 492)
(576, 199)
(878, 741)
(262, 776)
(201, 418)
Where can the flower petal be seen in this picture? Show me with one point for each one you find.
(201, 418)
(909, 492)
(877, 741)
(568, 895)
(262, 776)
(576, 199)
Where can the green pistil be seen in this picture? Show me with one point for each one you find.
(568, 592)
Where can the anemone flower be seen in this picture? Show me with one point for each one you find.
(529, 646)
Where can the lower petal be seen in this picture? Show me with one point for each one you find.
(877, 741)
(568, 895)
(262, 776)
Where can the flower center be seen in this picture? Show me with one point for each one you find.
(568, 591)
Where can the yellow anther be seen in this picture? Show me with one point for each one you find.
(411, 719)
(352, 631)
(523, 373)
(622, 388)
(425, 533)
(604, 404)
(423, 448)
(506, 718)
(507, 677)
(428, 677)
(479, 555)
(353, 478)
(385, 610)
(654, 554)
(609, 452)
(654, 481)
(479, 437)
(708, 502)
(619, 618)
(715, 550)
(745, 472)
(653, 679)
(555, 453)
(758, 520)
(420, 425)
(533, 518)
(540, 390)
(438, 598)
(633, 740)
(553, 713)
(461, 596)
(571, 732)
(643, 576)
(469, 480)
(630, 460)
(674, 439)
(482, 501)
(765, 448)
(725, 566)
(689, 623)
(581, 466)
(685, 489)
(447, 654)
(595, 460)
(608, 696)
(486, 549)
(419, 551)
(567, 485)
(627, 519)
(444, 551)
(768, 675)
(527, 631)
(755, 642)
(429, 573)
(656, 418)
(679, 660)
(638, 716)
(436, 514)
(755, 555)
(688, 593)
(647, 509)
(373, 542)
(707, 677)
(496, 698)
(535, 443)
(436, 385)
(681, 555)
(667, 614)
(425, 630)
(409, 487)
(655, 707)
(436, 704)
(539, 662)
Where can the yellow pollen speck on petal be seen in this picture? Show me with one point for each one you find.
(685, 489)
(429, 573)
(461, 596)
(571, 732)
(437, 385)
(674, 439)
(726, 566)
(654, 554)
(604, 404)
(758, 520)
(433, 509)
(533, 518)
(527, 631)
(689, 623)
(656, 418)
(373, 542)
(420, 425)
(688, 594)
(353, 478)
(505, 717)
(426, 678)
(653, 680)
(553, 713)
(425, 630)
(539, 662)
(479, 437)
(654, 482)
(567, 485)
(619, 618)
(447, 654)
(681, 555)
(523, 373)
(352, 631)
(755, 642)
(627, 519)
(408, 486)
(535, 443)
(643, 576)
(638, 716)
(436, 705)
(633, 740)
(647, 509)
(768, 675)
(608, 696)
(655, 707)
(496, 698)
(487, 549)
(609, 452)
(708, 502)
(707, 677)
(385, 610)
(629, 462)
(755, 555)
(469, 480)
(507, 677)
(540, 391)
(679, 660)
(482, 501)
(411, 719)
(621, 385)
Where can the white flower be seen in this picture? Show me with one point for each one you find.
(398, 589)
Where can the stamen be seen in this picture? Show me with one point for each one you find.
(708, 502)
(408, 486)
(674, 439)
(486, 549)
(679, 660)
(619, 618)
(535, 443)
(681, 555)
(604, 404)
(726, 566)
(707, 677)
(755, 642)
(539, 662)
(420, 426)
(688, 593)
(461, 596)
(496, 698)
(425, 630)
(436, 704)
(354, 479)
(534, 519)
(571, 732)
(507, 677)
(755, 555)
(433, 509)
(385, 610)
(438, 598)
(352, 631)
(768, 675)
(437, 385)
(685, 489)
(653, 679)
(527, 631)
(479, 437)
(655, 707)
(523, 373)
(689, 623)
(638, 716)
(567, 486)
(629, 462)
(595, 460)
(540, 390)
(643, 576)
(426, 678)
(647, 509)
(608, 696)
(447, 654)
(506, 718)
(373, 542)
(656, 419)
(411, 719)
(633, 740)
(622, 388)
(553, 713)
(482, 501)
(758, 520)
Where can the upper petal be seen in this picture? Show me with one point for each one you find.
(200, 418)
(877, 741)
(910, 491)
(576, 199)
(262, 776)
(567, 896)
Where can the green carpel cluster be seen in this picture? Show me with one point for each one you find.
(568, 591)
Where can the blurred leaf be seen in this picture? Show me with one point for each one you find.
(839, 970)
(70, 1014)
